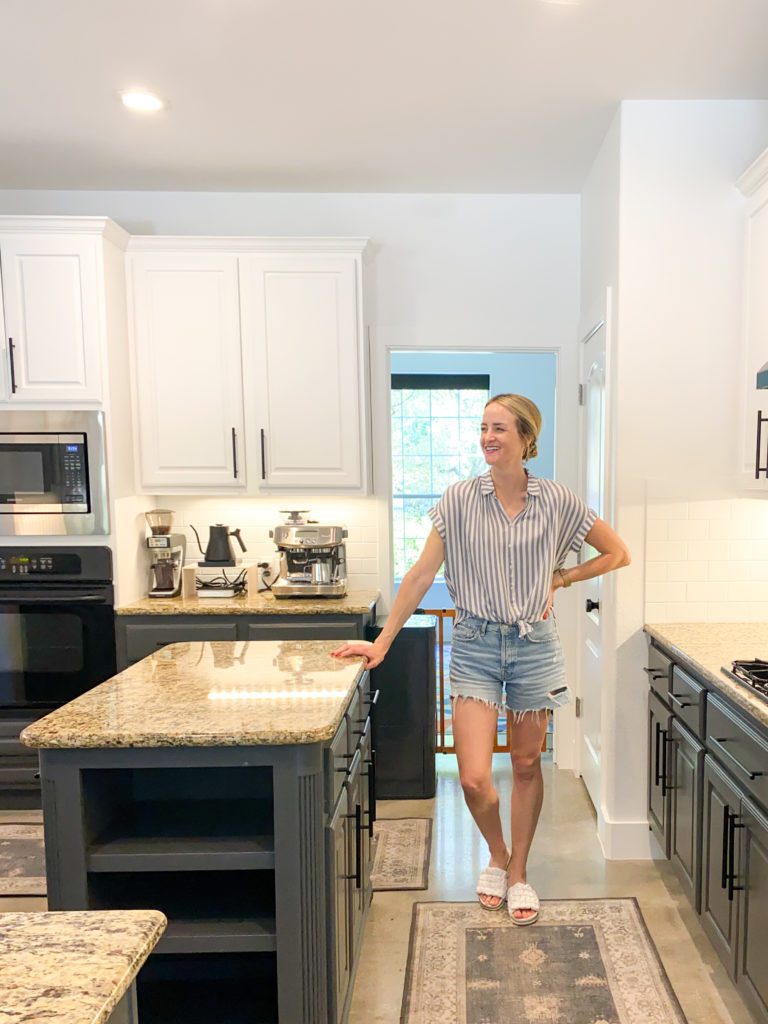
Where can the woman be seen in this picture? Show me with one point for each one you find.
(504, 537)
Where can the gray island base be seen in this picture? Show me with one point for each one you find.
(231, 787)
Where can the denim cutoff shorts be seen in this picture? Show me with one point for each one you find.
(491, 662)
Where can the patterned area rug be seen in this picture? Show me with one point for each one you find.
(403, 849)
(22, 860)
(583, 962)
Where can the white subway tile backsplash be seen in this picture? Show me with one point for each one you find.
(658, 592)
(668, 510)
(666, 551)
(685, 572)
(713, 550)
(688, 529)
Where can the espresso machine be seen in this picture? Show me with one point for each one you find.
(313, 558)
(166, 551)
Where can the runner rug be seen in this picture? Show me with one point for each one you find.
(582, 962)
(401, 858)
(22, 860)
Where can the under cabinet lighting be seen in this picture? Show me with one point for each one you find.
(141, 102)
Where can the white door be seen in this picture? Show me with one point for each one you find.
(591, 633)
(303, 364)
(50, 290)
(188, 373)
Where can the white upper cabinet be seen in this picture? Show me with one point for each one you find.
(754, 184)
(304, 369)
(185, 324)
(53, 309)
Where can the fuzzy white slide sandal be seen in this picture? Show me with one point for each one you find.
(522, 896)
(492, 882)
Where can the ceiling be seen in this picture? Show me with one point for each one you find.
(351, 95)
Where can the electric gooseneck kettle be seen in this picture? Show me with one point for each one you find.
(219, 550)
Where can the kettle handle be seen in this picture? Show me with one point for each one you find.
(236, 534)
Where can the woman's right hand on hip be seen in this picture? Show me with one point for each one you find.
(374, 655)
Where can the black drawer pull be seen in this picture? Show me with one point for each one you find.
(11, 347)
(36, 775)
(726, 739)
(675, 698)
(656, 673)
(372, 701)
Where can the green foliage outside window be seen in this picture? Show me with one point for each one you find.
(435, 442)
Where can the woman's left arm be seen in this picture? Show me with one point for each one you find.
(614, 554)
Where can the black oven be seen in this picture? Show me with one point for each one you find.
(57, 636)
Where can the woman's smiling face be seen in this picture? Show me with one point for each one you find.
(499, 437)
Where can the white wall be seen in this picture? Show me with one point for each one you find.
(677, 368)
(464, 272)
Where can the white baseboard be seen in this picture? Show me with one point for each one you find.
(627, 840)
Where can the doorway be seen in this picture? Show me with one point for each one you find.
(437, 401)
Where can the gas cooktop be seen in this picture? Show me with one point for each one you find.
(753, 674)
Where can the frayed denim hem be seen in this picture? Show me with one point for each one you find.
(455, 698)
(519, 716)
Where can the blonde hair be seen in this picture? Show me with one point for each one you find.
(528, 420)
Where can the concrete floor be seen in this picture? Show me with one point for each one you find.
(566, 861)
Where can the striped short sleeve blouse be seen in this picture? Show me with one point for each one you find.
(499, 569)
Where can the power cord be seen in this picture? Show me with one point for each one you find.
(239, 584)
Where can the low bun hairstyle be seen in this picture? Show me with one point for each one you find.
(528, 420)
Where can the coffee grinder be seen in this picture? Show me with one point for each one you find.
(166, 552)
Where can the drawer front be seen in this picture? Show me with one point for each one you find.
(143, 640)
(11, 727)
(659, 672)
(12, 748)
(355, 717)
(17, 775)
(738, 748)
(689, 701)
(337, 762)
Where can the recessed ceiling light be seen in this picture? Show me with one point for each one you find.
(141, 101)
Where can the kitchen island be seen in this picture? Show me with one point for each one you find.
(76, 968)
(231, 786)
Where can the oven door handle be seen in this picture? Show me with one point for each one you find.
(45, 599)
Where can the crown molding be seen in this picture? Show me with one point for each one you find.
(245, 243)
(754, 176)
(102, 226)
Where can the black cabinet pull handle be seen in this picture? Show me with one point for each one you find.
(11, 347)
(724, 862)
(724, 739)
(664, 786)
(372, 793)
(675, 698)
(758, 468)
(234, 452)
(657, 750)
(358, 875)
(263, 456)
(592, 606)
(655, 673)
(372, 701)
(732, 887)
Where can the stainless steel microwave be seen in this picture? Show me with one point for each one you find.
(52, 474)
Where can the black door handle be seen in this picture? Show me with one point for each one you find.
(234, 452)
(11, 347)
(592, 606)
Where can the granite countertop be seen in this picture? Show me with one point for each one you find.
(72, 967)
(217, 694)
(354, 602)
(705, 647)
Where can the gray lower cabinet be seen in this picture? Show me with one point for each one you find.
(259, 856)
(687, 763)
(19, 771)
(708, 808)
(659, 724)
(140, 635)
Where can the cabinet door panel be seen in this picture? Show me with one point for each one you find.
(659, 720)
(143, 640)
(300, 326)
(186, 327)
(685, 831)
(756, 331)
(718, 913)
(337, 870)
(752, 965)
(51, 305)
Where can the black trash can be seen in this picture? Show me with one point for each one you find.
(405, 713)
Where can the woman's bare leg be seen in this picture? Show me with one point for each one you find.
(474, 733)
(526, 736)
